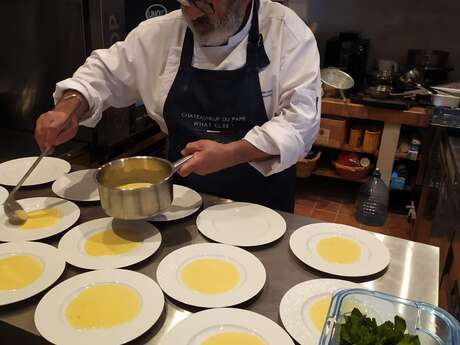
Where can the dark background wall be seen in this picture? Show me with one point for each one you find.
(393, 26)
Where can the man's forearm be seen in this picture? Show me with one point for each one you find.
(78, 105)
(243, 151)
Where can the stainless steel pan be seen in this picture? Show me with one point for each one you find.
(138, 203)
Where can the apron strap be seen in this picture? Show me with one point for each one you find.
(257, 58)
(186, 58)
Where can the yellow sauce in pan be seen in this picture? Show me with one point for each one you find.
(134, 186)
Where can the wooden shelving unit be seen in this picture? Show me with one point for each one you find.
(328, 171)
(392, 121)
(346, 147)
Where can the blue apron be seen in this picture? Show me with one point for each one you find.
(224, 106)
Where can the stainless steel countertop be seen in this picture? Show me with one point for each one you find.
(413, 272)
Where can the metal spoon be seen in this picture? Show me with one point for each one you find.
(414, 76)
(15, 212)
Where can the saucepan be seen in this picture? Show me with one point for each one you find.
(138, 187)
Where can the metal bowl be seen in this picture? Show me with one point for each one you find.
(336, 78)
(139, 203)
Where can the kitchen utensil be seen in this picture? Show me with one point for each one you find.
(298, 303)
(14, 211)
(379, 91)
(186, 202)
(445, 101)
(433, 325)
(51, 261)
(245, 275)
(433, 75)
(145, 237)
(201, 327)
(78, 186)
(373, 258)
(64, 215)
(337, 79)
(427, 58)
(139, 203)
(414, 77)
(241, 224)
(52, 322)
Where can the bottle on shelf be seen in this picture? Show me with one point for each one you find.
(372, 202)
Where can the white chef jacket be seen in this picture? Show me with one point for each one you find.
(144, 66)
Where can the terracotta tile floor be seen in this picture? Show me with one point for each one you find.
(333, 201)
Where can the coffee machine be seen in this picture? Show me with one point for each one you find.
(349, 52)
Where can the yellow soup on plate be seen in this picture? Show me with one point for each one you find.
(339, 250)
(233, 338)
(103, 306)
(318, 312)
(40, 219)
(210, 276)
(133, 186)
(112, 242)
(19, 271)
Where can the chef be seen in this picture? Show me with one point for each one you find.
(235, 83)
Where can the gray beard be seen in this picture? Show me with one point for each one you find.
(223, 28)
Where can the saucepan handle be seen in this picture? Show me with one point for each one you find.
(180, 162)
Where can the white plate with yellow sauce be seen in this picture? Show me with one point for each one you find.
(339, 249)
(211, 275)
(99, 307)
(109, 243)
(49, 169)
(186, 202)
(227, 326)
(47, 217)
(241, 224)
(78, 185)
(26, 269)
(3, 195)
(304, 308)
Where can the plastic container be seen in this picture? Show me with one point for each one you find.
(433, 325)
(372, 201)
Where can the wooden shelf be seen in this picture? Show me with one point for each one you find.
(404, 156)
(417, 116)
(346, 147)
(323, 170)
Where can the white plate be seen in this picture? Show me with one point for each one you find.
(12, 233)
(72, 244)
(79, 186)
(296, 303)
(252, 275)
(48, 170)
(52, 324)
(186, 202)
(195, 329)
(241, 224)
(374, 258)
(53, 266)
(3, 195)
